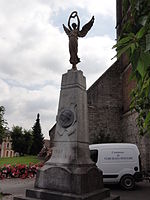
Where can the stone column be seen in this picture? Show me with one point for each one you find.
(71, 136)
(70, 168)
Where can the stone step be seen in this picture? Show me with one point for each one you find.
(46, 195)
(27, 198)
(40, 194)
(24, 198)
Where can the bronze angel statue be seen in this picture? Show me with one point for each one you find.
(73, 33)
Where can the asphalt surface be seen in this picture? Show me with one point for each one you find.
(141, 192)
(19, 186)
(14, 187)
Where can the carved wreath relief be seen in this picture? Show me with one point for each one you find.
(66, 121)
(66, 118)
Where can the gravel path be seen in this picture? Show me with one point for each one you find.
(15, 187)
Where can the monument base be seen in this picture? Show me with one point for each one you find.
(103, 194)
(68, 182)
(69, 178)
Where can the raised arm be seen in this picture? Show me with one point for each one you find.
(69, 26)
(73, 15)
(78, 23)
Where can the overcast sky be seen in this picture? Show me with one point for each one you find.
(34, 54)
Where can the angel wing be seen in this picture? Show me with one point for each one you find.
(67, 31)
(86, 28)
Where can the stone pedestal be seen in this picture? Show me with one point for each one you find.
(70, 174)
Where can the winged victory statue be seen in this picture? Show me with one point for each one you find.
(73, 31)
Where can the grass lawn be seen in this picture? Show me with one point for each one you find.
(19, 160)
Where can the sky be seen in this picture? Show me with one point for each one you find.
(34, 54)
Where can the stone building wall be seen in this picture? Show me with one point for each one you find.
(129, 128)
(110, 118)
(131, 135)
(127, 86)
(129, 125)
(104, 106)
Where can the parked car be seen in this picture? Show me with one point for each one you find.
(119, 162)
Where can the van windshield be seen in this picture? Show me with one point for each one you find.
(94, 155)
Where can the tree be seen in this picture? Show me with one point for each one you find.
(37, 137)
(21, 140)
(28, 141)
(18, 141)
(3, 123)
(134, 41)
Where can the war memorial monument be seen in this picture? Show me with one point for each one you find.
(70, 174)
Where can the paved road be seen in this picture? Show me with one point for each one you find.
(142, 191)
(18, 186)
(15, 187)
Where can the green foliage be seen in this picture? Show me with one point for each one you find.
(37, 138)
(17, 140)
(28, 140)
(134, 41)
(21, 140)
(3, 123)
(19, 160)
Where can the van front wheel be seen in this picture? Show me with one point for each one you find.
(127, 182)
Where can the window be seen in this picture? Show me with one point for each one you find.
(8, 145)
(94, 155)
(7, 152)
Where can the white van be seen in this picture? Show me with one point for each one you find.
(119, 162)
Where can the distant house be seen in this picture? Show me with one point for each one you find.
(6, 146)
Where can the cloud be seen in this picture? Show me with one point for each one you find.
(22, 105)
(105, 8)
(96, 54)
(34, 54)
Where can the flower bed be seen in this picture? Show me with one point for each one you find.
(19, 171)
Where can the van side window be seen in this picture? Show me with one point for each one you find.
(94, 155)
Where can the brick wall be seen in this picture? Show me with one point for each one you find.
(131, 135)
(104, 105)
(129, 126)
(127, 86)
